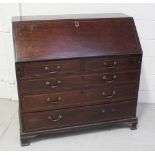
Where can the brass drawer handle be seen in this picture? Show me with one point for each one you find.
(114, 77)
(54, 119)
(112, 110)
(48, 100)
(54, 86)
(52, 72)
(47, 83)
(110, 96)
(76, 23)
(110, 64)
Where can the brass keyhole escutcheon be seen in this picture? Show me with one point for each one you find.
(76, 23)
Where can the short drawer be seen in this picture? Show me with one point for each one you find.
(51, 68)
(76, 98)
(112, 63)
(78, 116)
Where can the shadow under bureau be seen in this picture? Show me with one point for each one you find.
(76, 72)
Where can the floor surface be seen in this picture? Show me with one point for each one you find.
(111, 138)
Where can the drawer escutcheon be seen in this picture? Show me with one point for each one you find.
(76, 23)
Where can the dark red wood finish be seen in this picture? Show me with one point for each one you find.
(77, 116)
(76, 73)
(78, 98)
(90, 38)
(112, 62)
(51, 68)
(34, 86)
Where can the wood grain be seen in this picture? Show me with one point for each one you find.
(76, 73)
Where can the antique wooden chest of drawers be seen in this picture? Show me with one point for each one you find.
(76, 72)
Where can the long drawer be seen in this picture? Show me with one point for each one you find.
(79, 81)
(78, 98)
(70, 117)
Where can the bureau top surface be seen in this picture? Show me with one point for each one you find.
(68, 16)
(38, 38)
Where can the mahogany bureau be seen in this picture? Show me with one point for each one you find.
(76, 72)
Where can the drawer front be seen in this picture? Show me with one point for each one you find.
(51, 68)
(77, 116)
(75, 98)
(70, 82)
(112, 63)
(50, 84)
(111, 78)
